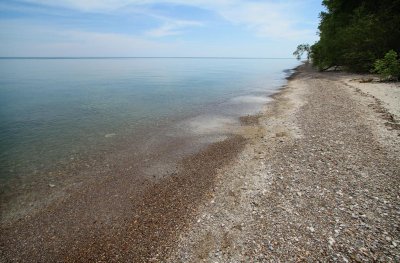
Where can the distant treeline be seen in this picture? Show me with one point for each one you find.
(354, 34)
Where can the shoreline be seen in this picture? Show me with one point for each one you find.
(135, 204)
(245, 198)
(73, 229)
(59, 152)
(166, 145)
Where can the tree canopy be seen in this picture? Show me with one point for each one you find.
(355, 33)
(301, 49)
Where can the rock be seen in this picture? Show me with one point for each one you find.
(366, 80)
(52, 185)
(280, 134)
(331, 241)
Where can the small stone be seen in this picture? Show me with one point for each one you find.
(331, 241)
(280, 134)
(109, 135)
(52, 185)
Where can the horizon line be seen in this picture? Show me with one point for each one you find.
(137, 57)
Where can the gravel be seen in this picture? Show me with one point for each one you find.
(319, 181)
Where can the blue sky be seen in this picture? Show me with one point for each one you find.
(221, 28)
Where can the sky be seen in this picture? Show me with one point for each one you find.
(156, 28)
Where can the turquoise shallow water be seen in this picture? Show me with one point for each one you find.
(54, 109)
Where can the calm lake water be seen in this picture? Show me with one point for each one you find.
(52, 110)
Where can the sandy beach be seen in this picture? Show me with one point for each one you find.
(315, 177)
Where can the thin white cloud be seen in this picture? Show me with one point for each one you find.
(274, 19)
(85, 5)
(112, 5)
(172, 27)
(21, 39)
(278, 24)
(24, 39)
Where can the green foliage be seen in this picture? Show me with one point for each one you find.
(301, 49)
(354, 33)
(388, 67)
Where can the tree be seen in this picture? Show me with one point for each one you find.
(301, 49)
(354, 34)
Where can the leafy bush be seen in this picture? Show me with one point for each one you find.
(388, 67)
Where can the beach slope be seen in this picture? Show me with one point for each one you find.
(319, 180)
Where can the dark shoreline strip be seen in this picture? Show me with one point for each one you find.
(296, 71)
(159, 215)
(164, 210)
